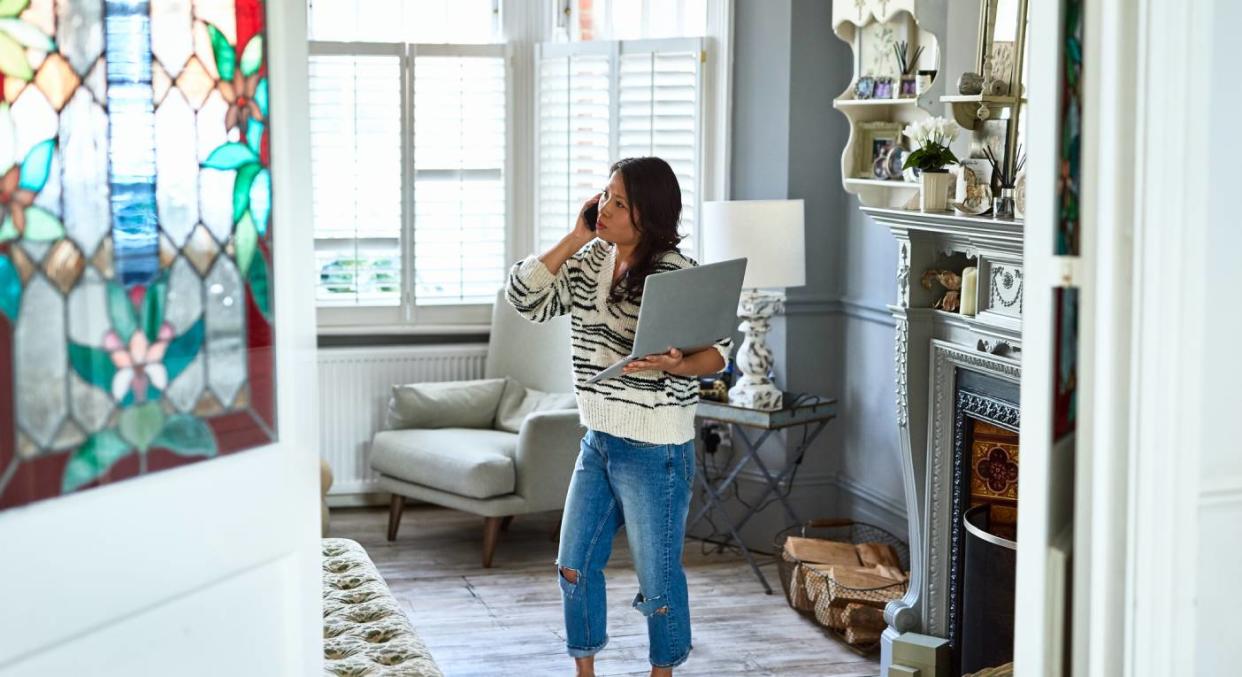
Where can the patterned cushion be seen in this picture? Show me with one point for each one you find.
(365, 632)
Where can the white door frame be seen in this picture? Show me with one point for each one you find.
(1146, 89)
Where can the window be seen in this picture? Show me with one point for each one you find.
(638, 19)
(603, 100)
(447, 143)
(409, 147)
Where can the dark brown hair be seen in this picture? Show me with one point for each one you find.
(655, 208)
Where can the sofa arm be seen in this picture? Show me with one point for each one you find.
(547, 448)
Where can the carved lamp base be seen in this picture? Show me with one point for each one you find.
(754, 389)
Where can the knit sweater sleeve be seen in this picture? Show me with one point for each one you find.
(539, 295)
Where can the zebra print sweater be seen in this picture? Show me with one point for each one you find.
(649, 406)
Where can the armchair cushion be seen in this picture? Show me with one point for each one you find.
(472, 463)
(517, 402)
(450, 404)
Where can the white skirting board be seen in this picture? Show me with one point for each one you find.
(354, 384)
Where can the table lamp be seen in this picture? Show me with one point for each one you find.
(770, 235)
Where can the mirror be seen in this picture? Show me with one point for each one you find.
(1002, 38)
(1001, 62)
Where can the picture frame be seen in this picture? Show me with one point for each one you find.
(864, 88)
(874, 140)
(884, 88)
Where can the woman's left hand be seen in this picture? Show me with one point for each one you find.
(669, 362)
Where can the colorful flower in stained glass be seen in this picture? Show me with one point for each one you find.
(15, 37)
(135, 315)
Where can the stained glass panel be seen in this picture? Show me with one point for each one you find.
(135, 221)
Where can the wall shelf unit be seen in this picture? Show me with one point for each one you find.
(871, 27)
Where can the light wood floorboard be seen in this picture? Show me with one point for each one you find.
(507, 620)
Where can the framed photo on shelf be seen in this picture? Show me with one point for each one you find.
(875, 138)
(864, 88)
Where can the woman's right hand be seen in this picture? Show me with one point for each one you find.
(580, 231)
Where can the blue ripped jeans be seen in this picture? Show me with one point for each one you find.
(646, 487)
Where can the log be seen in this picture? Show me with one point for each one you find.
(893, 573)
(861, 636)
(861, 585)
(871, 554)
(864, 617)
(819, 551)
(831, 616)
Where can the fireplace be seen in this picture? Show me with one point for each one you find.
(934, 351)
(983, 519)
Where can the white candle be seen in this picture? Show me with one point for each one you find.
(970, 284)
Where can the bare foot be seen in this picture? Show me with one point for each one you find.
(585, 666)
(661, 672)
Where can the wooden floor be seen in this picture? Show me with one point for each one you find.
(507, 620)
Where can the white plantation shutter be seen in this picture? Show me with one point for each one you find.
(575, 133)
(409, 153)
(602, 101)
(660, 114)
(355, 124)
(459, 174)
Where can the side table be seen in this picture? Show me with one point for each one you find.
(812, 413)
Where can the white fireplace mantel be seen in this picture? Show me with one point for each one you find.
(930, 345)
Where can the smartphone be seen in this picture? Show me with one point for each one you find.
(590, 215)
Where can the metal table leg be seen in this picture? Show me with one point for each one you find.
(714, 495)
(712, 501)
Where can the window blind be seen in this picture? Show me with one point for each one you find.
(575, 132)
(459, 177)
(659, 114)
(601, 101)
(355, 126)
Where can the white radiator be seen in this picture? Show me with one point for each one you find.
(354, 384)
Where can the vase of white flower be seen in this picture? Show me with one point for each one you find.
(933, 137)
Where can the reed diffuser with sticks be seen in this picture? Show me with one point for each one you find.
(907, 63)
(1002, 204)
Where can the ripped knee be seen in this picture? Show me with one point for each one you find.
(569, 574)
(657, 605)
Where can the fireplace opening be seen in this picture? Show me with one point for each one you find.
(985, 521)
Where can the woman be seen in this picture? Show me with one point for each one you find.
(636, 462)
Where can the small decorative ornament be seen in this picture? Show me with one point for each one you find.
(925, 81)
(970, 84)
(1019, 196)
(896, 157)
(952, 283)
(879, 168)
(884, 88)
(865, 87)
(973, 195)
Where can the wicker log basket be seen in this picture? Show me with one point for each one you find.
(842, 573)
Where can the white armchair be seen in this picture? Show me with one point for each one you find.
(481, 469)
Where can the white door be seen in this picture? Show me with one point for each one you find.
(211, 568)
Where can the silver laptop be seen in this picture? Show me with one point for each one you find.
(688, 309)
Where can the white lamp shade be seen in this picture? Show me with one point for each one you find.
(768, 233)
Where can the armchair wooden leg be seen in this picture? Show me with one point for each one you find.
(504, 524)
(394, 515)
(491, 534)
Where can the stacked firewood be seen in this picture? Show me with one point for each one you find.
(846, 585)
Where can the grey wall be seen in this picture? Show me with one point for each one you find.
(836, 338)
